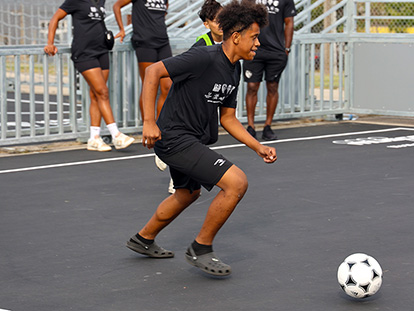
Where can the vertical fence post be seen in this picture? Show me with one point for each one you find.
(312, 77)
(304, 75)
(73, 103)
(322, 75)
(331, 73)
(124, 91)
(59, 94)
(46, 107)
(3, 97)
(349, 11)
(17, 97)
(367, 17)
(340, 73)
(32, 104)
(349, 63)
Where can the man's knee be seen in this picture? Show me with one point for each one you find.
(252, 88)
(235, 182)
(272, 87)
(102, 92)
(241, 185)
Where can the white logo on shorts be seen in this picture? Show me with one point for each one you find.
(248, 74)
(219, 162)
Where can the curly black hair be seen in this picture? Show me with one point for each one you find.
(209, 10)
(239, 15)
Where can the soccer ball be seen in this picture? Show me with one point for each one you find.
(360, 275)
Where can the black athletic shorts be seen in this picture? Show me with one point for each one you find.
(101, 61)
(271, 63)
(149, 55)
(196, 165)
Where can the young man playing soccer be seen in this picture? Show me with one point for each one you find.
(204, 79)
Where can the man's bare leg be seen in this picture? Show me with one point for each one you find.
(200, 254)
(271, 103)
(233, 186)
(251, 101)
(272, 98)
(167, 211)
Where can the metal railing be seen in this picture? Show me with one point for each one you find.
(44, 99)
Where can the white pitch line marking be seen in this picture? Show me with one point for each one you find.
(42, 167)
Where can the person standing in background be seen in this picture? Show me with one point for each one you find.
(91, 58)
(208, 14)
(150, 39)
(151, 43)
(272, 55)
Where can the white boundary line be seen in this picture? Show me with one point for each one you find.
(42, 167)
(318, 137)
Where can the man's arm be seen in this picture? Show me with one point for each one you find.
(150, 131)
(232, 125)
(118, 16)
(50, 49)
(289, 27)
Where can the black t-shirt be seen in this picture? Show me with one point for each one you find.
(272, 37)
(203, 79)
(148, 21)
(88, 31)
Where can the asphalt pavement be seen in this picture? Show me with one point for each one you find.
(336, 189)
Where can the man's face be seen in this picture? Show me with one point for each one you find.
(249, 42)
(214, 27)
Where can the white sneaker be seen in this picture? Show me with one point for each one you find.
(160, 164)
(122, 141)
(97, 144)
(171, 187)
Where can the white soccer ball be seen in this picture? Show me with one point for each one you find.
(360, 275)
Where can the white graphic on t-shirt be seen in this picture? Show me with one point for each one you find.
(272, 5)
(95, 14)
(157, 5)
(219, 93)
(219, 162)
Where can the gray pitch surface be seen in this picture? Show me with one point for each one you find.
(63, 228)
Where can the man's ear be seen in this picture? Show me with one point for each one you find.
(236, 36)
(206, 24)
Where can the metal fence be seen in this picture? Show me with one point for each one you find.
(44, 99)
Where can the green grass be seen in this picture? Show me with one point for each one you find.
(326, 80)
(38, 67)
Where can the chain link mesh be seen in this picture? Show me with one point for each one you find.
(372, 17)
(391, 17)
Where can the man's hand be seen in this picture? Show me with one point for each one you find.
(267, 153)
(120, 34)
(50, 49)
(150, 134)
